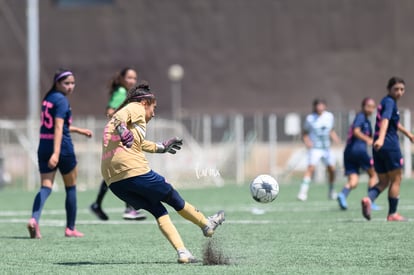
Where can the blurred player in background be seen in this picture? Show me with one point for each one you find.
(121, 83)
(126, 171)
(56, 151)
(356, 155)
(388, 161)
(317, 135)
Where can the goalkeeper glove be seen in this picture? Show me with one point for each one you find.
(127, 138)
(171, 145)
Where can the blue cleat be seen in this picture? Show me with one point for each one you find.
(375, 207)
(342, 201)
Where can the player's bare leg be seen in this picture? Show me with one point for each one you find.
(352, 183)
(331, 176)
(304, 187)
(372, 181)
(70, 203)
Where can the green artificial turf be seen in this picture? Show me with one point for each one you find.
(290, 237)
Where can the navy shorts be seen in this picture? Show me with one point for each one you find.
(387, 160)
(354, 161)
(65, 165)
(145, 191)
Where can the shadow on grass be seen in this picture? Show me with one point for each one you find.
(110, 263)
(15, 237)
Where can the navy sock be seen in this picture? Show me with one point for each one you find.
(393, 204)
(101, 194)
(39, 202)
(373, 193)
(70, 205)
(346, 191)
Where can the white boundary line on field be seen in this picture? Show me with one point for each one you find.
(61, 223)
(234, 209)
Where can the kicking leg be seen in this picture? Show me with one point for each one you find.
(331, 173)
(189, 212)
(160, 213)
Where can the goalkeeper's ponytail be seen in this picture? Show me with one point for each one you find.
(139, 93)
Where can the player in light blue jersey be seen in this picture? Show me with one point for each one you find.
(317, 135)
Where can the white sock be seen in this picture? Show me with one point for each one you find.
(306, 181)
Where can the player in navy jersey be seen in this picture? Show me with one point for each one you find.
(56, 151)
(387, 155)
(356, 152)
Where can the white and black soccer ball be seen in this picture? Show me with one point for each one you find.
(264, 189)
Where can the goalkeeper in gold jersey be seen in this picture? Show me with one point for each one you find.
(128, 175)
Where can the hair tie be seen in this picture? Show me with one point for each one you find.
(62, 75)
(142, 96)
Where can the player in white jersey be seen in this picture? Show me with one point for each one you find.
(317, 135)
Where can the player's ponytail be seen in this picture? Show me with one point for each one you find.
(60, 75)
(139, 93)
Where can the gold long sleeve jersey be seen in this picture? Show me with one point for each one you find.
(119, 162)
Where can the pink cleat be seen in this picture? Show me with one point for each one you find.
(366, 208)
(34, 230)
(396, 218)
(73, 233)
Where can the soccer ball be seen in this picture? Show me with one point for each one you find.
(264, 189)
